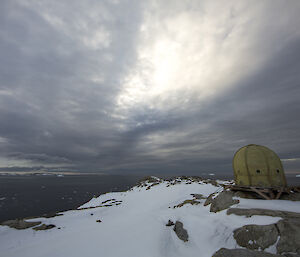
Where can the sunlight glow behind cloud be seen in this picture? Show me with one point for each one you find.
(190, 55)
(147, 85)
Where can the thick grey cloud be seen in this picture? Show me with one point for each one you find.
(156, 87)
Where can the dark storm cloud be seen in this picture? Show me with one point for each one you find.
(262, 109)
(63, 69)
(49, 103)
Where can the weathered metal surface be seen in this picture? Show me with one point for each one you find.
(256, 165)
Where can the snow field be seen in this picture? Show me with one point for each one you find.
(136, 227)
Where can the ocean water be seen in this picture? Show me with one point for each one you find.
(34, 195)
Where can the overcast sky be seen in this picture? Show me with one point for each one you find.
(147, 86)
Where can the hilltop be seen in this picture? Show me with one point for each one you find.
(184, 216)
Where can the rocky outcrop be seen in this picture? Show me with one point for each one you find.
(149, 181)
(289, 230)
(192, 202)
(180, 231)
(209, 199)
(198, 196)
(20, 224)
(222, 201)
(223, 252)
(44, 227)
(256, 237)
(263, 212)
(211, 181)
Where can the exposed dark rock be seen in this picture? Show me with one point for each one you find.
(109, 200)
(192, 202)
(223, 252)
(291, 196)
(155, 184)
(222, 201)
(263, 236)
(150, 179)
(108, 203)
(44, 227)
(20, 224)
(170, 223)
(263, 212)
(255, 236)
(198, 196)
(191, 178)
(213, 182)
(47, 215)
(291, 255)
(289, 230)
(185, 178)
(180, 231)
(209, 199)
(91, 207)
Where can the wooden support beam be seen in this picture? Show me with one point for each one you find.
(296, 189)
(279, 194)
(265, 193)
(272, 196)
(260, 193)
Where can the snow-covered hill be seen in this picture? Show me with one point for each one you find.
(133, 224)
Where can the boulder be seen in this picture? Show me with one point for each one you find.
(222, 201)
(263, 236)
(263, 212)
(180, 231)
(289, 230)
(256, 237)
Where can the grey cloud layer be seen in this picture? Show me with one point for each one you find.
(63, 67)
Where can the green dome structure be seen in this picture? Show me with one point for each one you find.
(258, 166)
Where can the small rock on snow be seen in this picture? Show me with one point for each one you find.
(180, 231)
